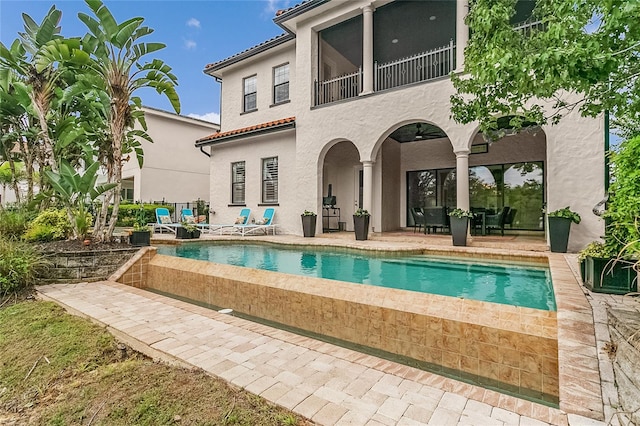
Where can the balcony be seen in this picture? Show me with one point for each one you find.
(417, 68)
(433, 64)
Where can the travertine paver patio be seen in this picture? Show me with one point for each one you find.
(326, 383)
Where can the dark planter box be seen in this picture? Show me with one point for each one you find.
(183, 234)
(309, 226)
(559, 228)
(459, 226)
(361, 225)
(140, 238)
(618, 277)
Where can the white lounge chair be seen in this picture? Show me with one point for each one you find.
(221, 228)
(265, 226)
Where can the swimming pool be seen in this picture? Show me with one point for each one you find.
(526, 285)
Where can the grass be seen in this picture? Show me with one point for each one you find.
(57, 369)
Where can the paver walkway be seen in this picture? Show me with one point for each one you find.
(326, 383)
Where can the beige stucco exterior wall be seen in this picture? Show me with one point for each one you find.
(232, 89)
(573, 153)
(173, 169)
(252, 151)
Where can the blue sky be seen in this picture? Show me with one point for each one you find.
(196, 33)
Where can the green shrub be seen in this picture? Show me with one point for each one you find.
(13, 223)
(127, 213)
(19, 265)
(623, 210)
(51, 224)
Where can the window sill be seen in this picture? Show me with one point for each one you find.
(269, 204)
(280, 103)
(248, 112)
(236, 205)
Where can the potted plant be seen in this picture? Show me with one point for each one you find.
(141, 235)
(309, 223)
(559, 227)
(459, 220)
(361, 224)
(608, 271)
(187, 230)
(593, 249)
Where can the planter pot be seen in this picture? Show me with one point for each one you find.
(361, 225)
(309, 225)
(618, 277)
(140, 238)
(583, 267)
(183, 234)
(559, 228)
(459, 226)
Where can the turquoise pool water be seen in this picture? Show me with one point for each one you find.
(520, 285)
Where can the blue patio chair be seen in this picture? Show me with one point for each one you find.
(164, 221)
(186, 215)
(264, 226)
(243, 219)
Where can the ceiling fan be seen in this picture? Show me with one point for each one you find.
(419, 132)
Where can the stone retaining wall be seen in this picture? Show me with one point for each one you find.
(85, 265)
(625, 334)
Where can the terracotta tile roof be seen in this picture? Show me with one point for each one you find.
(246, 130)
(249, 52)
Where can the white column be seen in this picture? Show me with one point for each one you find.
(462, 32)
(367, 50)
(462, 179)
(367, 185)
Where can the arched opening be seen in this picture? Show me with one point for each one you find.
(416, 164)
(341, 186)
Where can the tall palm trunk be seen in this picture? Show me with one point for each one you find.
(41, 104)
(117, 126)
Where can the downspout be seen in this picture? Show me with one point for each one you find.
(205, 152)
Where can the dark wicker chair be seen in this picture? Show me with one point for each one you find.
(497, 221)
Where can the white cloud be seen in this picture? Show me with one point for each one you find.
(212, 117)
(190, 44)
(193, 22)
(274, 5)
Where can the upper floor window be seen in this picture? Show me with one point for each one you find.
(250, 93)
(237, 182)
(281, 83)
(270, 180)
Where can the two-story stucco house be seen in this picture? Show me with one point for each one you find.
(173, 170)
(353, 101)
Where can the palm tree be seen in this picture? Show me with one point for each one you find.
(116, 55)
(40, 82)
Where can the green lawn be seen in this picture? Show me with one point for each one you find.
(81, 377)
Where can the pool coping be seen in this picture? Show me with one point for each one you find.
(579, 377)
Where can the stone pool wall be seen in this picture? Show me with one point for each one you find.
(513, 348)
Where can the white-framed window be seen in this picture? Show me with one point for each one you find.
(270, 180)
(281, 83)
(237, 182)
(250, 93)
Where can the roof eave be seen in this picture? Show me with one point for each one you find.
(297, 11)
(256, 132)
(248, 54)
